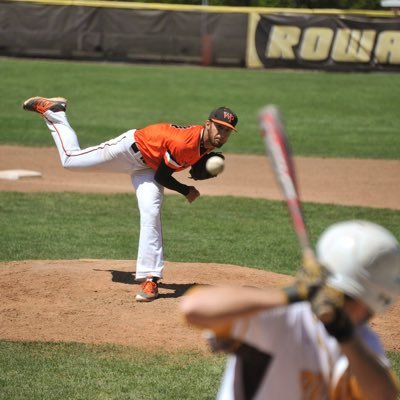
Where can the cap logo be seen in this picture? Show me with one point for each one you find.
(228, 116)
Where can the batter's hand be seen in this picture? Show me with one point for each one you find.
(309, 280)
(193, 194)
(327, 305)
(326, 302)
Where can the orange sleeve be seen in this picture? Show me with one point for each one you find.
(179, 146)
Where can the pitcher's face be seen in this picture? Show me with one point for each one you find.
(218, 134)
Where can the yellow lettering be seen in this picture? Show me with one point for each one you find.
(387, 50)
(346, 388)
(353, 45)
(252, 59)
(312, 385)
(316, 44)
(281, 42)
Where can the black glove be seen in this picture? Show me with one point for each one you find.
(327, 305)
(301, 291)
(340, 327)
(198, 171)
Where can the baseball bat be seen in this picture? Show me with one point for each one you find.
(278, 149)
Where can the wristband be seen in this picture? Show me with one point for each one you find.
(296, 293)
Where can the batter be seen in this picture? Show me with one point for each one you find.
(280, 349)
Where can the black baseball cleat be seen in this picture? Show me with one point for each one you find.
(41, 104)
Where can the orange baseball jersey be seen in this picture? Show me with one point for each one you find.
(178, 145)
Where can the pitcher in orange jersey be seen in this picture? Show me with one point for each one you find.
(150, 155)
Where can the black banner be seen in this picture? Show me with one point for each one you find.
(82, 32)
(281, 40)
(323, 42)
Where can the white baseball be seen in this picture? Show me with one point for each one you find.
(215, 165)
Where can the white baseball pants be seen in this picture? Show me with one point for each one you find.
(116, 155)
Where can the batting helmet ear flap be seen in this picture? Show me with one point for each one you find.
(364, 261)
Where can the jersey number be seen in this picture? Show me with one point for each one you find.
(181, 126)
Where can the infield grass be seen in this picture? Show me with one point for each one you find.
(44, 371)
(327, 114)
(39, 371)
(248, 232)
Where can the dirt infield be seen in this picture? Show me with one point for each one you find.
(92, 301)
(369, 183)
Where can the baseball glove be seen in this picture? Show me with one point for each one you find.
(198, 172)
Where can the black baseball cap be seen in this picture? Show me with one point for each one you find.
(224, 116)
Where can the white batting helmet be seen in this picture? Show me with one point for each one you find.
(364, 259)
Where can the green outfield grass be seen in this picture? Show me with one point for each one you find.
(240, 231)
(327, 114)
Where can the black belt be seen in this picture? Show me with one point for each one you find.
(136, 150)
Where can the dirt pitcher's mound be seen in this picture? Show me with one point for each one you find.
(92, 301)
